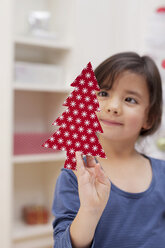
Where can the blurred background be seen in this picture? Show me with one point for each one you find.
(44, 45)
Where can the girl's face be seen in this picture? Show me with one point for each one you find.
(126, 104)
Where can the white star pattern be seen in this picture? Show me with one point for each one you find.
(95, 148)
(72, 104)
(78, 120)
(66, 134)
(92, 139)
(55, 123)
(69, 142)
(87, 98)
(84, 90)
(83, 137)
(72, 151)
(92, 116)
(77, 144)
(70, 119)
(75, 112)
(93, 92)
(81, 105)
(61, 117)
(82, 82)
(78, 97)
(52, 139)
(86, 146)
(58, 132)
(84, 114)
(81, 129)
(75, 135)
(95, 124)
(54, 147)
(76, 88)
(88, 75)
(63, 125)
(68, 166)
(87, 122)
(74, 159)
(90, 107)
(60, 140)
(90, 84)
(89, 131)
(72, 127)
(46, 145)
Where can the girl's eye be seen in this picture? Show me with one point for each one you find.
(130, 100)
(102, 93)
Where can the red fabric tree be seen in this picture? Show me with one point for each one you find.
(79, 123)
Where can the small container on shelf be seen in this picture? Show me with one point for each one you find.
(39, 25)
(38, 73)
(33, 215)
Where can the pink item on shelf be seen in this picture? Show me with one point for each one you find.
(30, 143)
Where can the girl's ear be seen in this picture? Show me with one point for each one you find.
(147, 125)
(148, 122)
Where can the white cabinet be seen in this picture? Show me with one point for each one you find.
(35, 107)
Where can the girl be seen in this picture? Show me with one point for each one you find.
(118, 202)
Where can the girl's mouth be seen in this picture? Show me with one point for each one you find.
(111, 123)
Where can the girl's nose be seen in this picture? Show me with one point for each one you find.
(114, 107)
(114, 111)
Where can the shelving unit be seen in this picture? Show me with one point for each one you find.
(35, 107)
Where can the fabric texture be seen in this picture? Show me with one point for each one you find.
(79, 123)
(129, 220)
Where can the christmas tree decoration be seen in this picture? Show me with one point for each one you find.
(79, 123)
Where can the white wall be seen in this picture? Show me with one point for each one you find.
(105, 27)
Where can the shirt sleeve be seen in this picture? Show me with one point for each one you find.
(65, 206)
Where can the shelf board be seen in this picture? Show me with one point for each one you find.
(44, 242)
(58, 156)
(39, 87)
(25, 231)
(41, 42)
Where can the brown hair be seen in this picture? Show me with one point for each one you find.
(109, 69)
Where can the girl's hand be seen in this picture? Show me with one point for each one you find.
(93, 185)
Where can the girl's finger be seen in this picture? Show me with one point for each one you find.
(80, 163)
(90, 161)
(101, 174)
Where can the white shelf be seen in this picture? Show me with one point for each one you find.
(44, 242)
(40, 87)
(24, 231)
(33, 41)
(58, 156)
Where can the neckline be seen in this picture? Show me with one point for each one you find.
(140, 194)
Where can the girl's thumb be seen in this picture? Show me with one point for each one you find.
(100, 173)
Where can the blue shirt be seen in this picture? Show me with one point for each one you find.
(129, 220)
